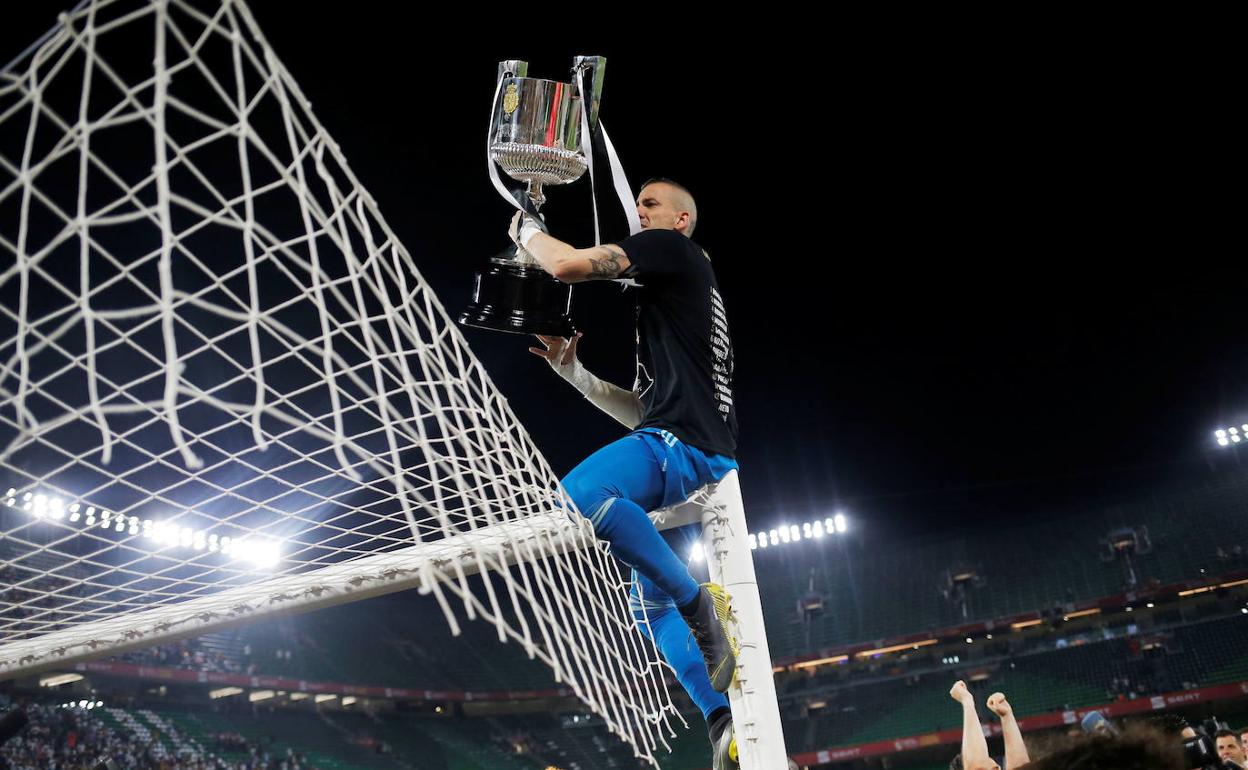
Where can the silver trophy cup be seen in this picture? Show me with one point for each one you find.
(535, 138)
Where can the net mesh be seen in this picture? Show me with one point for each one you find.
(226, 390)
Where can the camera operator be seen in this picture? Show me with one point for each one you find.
(1229, 747)
(1211, 746)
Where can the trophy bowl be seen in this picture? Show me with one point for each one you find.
(538, 141)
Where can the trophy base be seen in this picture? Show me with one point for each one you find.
(510, 297)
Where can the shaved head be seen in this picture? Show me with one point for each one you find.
(675, 200)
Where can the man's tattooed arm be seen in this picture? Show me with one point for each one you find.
(606, 264)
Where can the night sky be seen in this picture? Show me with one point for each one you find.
(967, 282)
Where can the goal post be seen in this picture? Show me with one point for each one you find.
(755, 707)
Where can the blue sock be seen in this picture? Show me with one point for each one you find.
(672, 636)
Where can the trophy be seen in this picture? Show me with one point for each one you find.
(535, 138)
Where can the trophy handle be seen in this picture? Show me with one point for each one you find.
(513, 68)
(594, 68)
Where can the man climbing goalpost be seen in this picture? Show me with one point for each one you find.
(684, 432)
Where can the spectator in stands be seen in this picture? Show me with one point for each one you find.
(72, 739)
(1139, 747)
(1230, 747)
(1243, 738)
(974, 747)
(1015, 749)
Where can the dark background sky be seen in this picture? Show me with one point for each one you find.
(970, 278)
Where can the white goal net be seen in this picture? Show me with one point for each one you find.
(227, 392)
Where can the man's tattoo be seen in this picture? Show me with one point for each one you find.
(608, 266)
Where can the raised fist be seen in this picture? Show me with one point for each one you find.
(959, 692)
(999, 705)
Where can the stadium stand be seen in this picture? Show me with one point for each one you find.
(867, 594)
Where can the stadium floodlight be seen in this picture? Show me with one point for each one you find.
(43, 505)
(794, 533)
(259, 695)
(56, 680)
(1232, 434)
(262, 553)
(324, 698)
(696, 553)
(349, 700)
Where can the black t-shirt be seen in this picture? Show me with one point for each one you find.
(684, 352)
